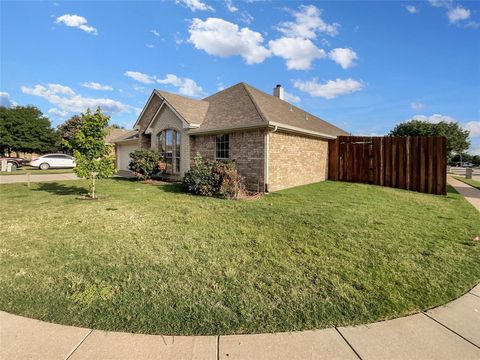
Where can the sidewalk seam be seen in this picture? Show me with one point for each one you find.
(474, 294)
(453, 331)
(78, 345)
(218, 347)
(348, 343)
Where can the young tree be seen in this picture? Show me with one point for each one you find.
(24, 128)
(457, 138)
(92, 155)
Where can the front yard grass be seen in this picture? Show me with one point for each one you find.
(471, 182)
(151, 259)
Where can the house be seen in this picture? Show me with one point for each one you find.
(274, 144)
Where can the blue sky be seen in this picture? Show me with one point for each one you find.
(364, 66)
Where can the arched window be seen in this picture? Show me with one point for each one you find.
(169, 142)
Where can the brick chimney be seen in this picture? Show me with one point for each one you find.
(278, 91)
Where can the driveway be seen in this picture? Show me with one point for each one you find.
(13, 179)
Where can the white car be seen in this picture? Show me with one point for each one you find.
(53, 161)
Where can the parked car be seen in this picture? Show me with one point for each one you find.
(53, 161)
(468, 165)
(16, 162)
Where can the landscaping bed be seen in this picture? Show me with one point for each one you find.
(148, 258)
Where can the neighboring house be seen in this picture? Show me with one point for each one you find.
(124, 145)
(274, 144)
(113, 134)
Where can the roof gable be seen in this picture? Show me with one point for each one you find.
(232, 108)
(191, 110)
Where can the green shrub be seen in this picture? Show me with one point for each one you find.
(145, 163)
(213, 178)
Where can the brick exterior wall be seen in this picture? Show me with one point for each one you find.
(295, 160)
(247, 149)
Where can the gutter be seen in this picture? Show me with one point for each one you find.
(271, 125)
(298, 130)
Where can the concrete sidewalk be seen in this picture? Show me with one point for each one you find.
(470, 194)
(13, 179)
(448, 332)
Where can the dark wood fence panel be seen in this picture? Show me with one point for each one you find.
(412, 163)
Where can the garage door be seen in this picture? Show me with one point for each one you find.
(123, 155)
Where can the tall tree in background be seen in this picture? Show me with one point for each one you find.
(67, 130)
(92, 155)
(457, 138)
(24, 128)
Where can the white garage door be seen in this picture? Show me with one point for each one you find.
(123, 155)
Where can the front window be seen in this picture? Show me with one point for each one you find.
(177, 151)
(222, 147)
(169, 147)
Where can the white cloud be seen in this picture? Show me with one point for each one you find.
(222, 38)
(96, 86)
(230, 6)
(411, 9)
(65, 99)
(435, 118)
(294, 99)
(155, 32)
(57, 112)
(329, 89)
(343, 56)
(473, 127)
(141, 77)
(78, 22)
(60, 89)
(457, 14)
(440, 3)
(307, 23)
(245, 17)
(417, 106)
(298, 53)
(6, 101)
(150, 46)
(195, 5)
(185, 86)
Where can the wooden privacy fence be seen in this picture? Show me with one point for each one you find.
(417, 163)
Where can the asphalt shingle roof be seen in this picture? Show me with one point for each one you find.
(244, 106)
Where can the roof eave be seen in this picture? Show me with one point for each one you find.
(200, 131)
(298, 130)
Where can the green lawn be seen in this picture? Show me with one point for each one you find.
(35, 171)
(471, 182)
(150, 259)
